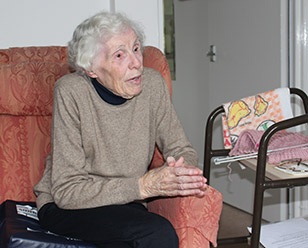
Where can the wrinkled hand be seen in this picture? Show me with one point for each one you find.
(175, 179)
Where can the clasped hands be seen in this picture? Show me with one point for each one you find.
(175, 179)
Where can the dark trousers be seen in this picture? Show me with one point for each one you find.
(115, 226)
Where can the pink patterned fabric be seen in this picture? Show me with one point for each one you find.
(194, 219)
(154, 58)
(27, 77)
(249, 140)
(24, 144)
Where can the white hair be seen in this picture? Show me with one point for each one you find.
(90, 35)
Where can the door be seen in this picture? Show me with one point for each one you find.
(250, 41)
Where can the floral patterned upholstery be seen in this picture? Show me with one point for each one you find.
(27, 77)
(194, 219)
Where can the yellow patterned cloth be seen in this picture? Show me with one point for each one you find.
(257, 112)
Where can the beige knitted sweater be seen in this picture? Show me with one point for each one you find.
(99, 150)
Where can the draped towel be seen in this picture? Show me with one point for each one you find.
(255, 112)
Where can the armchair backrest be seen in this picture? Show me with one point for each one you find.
(154, 58)
(27, 77)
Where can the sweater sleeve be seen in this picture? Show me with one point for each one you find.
(170, 136)
(72, 186)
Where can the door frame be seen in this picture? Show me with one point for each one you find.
(298, 77)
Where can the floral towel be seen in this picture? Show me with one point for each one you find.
(248, 142)
(255, 112)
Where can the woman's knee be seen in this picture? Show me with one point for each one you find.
(164, 234)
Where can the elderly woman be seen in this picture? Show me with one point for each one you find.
(107, 118)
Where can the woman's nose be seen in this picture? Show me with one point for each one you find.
(135, 61)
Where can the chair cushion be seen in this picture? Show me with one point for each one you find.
(17, 230)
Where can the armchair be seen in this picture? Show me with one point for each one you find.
(27, 77)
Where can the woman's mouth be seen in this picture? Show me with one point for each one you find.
(135, 80)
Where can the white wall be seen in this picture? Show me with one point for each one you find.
(45, 23)
(149, 13)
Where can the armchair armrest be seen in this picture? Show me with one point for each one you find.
(194, 219)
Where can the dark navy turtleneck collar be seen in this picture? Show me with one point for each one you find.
(106, 94)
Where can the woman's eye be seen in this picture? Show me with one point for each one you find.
(136, 49)
(118, 55)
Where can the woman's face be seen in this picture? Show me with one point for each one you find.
(119, 66)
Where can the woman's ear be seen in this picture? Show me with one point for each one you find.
(91, 74)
